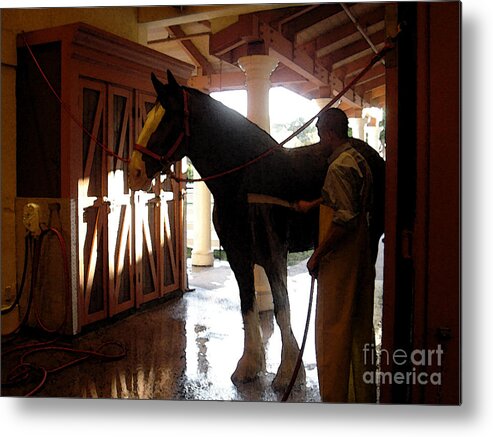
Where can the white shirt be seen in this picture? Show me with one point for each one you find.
(347, 185)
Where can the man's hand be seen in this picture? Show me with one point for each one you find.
(313, 264)
(304, 205)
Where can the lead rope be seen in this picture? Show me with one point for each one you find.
(389, 45)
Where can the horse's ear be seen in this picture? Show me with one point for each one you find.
(168, 94)
(172, 81)
(158, 86)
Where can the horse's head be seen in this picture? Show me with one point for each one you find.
(164, 136)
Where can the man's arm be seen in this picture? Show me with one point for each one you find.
(335, 235)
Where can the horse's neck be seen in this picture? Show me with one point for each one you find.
(222, 139)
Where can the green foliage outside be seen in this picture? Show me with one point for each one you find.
(293, 258)
(304, 138)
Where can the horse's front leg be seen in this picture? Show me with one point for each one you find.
(232, 226)
(252, 361)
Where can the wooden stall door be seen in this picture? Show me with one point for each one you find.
(156, 233)
(120, 246)
(146, 264)
(93, 208)
(128, 242)
(169, 234)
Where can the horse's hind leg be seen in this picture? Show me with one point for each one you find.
(277, 273)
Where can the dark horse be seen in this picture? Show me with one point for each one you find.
(218, 139)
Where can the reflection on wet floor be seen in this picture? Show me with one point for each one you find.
(218, 344)
(183, 349)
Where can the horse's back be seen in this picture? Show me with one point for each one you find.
(289, 174)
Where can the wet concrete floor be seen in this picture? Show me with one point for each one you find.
(183, 349)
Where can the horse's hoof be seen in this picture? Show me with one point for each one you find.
(283, 378)
(243, 379)
(246, 372)
(243, 376)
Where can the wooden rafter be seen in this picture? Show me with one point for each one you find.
(236, 80)
(178, 38)
(352, 49)
(171, 16)
(276, 16)
(354, 67)
(297, 14)
(370, 84)
(198, 58)
(319, 66)
(377, 71)
(309, 19)
(243, 31)
(346, 30)
(296, 59)
(378, 92)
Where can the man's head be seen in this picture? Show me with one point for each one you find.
(332, 126)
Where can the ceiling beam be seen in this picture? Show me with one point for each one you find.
(354, 67)
(172, 15)
(378, 92)
(375, 71)
(302, 11)
(236, 80)
(299, 68)
(378, 102)
(320, 13)
(193, 52)
(245, 30)
(349, 100)
(347, 30)
(353, 49)
(176, 38)
(362, 31)
(356, 56)
(218, 82)
(274, 17)
(370, 85)
(296, 59)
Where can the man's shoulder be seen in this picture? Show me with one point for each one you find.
(361, 145)
(369, 153)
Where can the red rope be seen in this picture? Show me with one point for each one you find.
(23, 371)
(66, 108)
(388, 46)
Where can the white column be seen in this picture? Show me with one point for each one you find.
(202, 254)
(258, 69)
(358, 127)
(372, 131)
